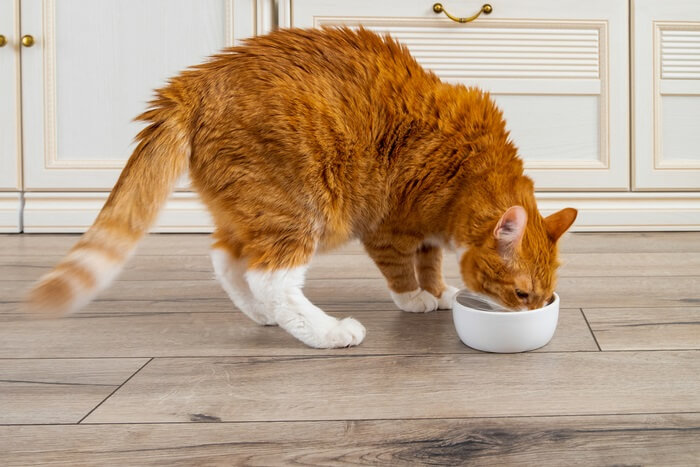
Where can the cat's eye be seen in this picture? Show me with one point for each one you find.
(521, 294)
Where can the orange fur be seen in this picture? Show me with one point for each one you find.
(300, 140)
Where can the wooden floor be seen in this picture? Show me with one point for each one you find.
(162, 369)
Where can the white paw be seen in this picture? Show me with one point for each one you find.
(258, 313)
(447, 297)
(416, 301)
(264, 320)
(345, 333)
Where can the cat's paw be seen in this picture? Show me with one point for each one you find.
(345, 333)
(447, 297)
(416, 301)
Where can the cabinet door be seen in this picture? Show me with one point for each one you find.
(559, 71)
(9, 99)
(666, 48)
(92, 69)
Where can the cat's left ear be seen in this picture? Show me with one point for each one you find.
(559, 222)
(510, 229)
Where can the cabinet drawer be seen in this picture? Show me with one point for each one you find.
(666, 50)
(559, 71)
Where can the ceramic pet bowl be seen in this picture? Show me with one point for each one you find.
(480, 326)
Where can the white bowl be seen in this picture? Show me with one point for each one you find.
(503, 331)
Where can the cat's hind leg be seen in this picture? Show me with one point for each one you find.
(230, 272)
(281, 292)
(266, 284)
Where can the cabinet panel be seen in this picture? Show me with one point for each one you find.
(666, 52)
(558, 70)
(93, 69)
(572, 128)
(9, 98)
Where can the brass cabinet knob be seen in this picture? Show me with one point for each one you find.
(27, 40)
(3, 41)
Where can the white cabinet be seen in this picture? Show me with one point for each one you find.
(666, 50)
(559, 71)
(92, 69)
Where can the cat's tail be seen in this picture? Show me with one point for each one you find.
(161, 156)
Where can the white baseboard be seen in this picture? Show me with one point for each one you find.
(75, 212)
(10, 212)
(610, 212)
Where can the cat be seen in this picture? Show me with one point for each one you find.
(300, 140)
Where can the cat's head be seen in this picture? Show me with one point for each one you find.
(516, 264)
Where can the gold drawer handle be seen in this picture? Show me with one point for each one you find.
(3, 41)
(485, 9)
(27, 40)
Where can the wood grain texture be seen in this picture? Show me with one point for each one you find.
(58, 391)
(398, 387)
(546, 441)
(575, 292)
(360, 266)
(199, 267)
(153, 244)
(196, 244)
(411, 394)
(630, 242)
(190, 305)
(630, 264)
(152, 334)
(646, 328)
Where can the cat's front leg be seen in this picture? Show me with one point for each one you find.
(396, 261)
(429, 269)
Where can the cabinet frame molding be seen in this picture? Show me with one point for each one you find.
(51, 160)
(650, 83)
(679, 88)
(511, 86)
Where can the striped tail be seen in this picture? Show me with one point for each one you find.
(160, 157)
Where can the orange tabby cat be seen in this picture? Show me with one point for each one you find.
(301, 140)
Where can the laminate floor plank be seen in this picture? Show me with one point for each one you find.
(189, 305)
(630, 242)
(575, 292)
(630, 264)
(544, 441)
(402, 387)
(153, 244)
(646, 328)
(58, 390)
(358, 266)
(234, 334)
(189, 244)
(139, 267)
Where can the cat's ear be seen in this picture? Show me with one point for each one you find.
(510, 229)
(559, 222)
